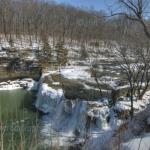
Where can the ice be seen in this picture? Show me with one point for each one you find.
(47, 97)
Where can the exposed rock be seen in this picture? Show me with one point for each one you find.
(75, 89)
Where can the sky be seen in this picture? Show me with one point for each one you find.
(95, 4)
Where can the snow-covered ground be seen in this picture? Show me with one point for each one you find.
(23, 42)
(138, 143)
(76, 72)
(27, 83)
(138, 105)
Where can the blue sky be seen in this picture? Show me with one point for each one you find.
(96, 4)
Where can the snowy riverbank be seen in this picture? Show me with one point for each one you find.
(26, 83)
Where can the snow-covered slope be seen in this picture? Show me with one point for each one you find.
(138, 143)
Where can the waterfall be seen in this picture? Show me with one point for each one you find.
(68, 119)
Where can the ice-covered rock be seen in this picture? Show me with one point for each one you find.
(99, 115)
(47, 98)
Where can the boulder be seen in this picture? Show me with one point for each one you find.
(76, 89)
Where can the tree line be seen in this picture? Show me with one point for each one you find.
(61, 22)
(44, 19)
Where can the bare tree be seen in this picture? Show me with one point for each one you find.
(135, 61)
(135, 64)
(136, 10)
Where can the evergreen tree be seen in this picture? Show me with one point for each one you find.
(62, 53)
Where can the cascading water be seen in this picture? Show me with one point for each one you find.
(68, 121)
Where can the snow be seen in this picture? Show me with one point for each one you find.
(55, 83)
(32, 86)
(146, 96)
(28, 83)
(122, 106)
(126, 105)
(137, 104)
(96, 142)
(100, 103)
(109, 80)
(47, 97)
(122, 87)
(139, 143)
(23, 42)
(75, 72)
(10, 87)
(48, 91)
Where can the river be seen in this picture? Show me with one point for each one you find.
(19, 120)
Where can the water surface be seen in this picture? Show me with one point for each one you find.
(18, 120)
(16, 105)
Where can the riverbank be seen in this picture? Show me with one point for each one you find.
(26, 83)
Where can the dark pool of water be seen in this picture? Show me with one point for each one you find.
(18, 119)
(16, 105)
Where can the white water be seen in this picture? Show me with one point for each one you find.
(68, 122)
